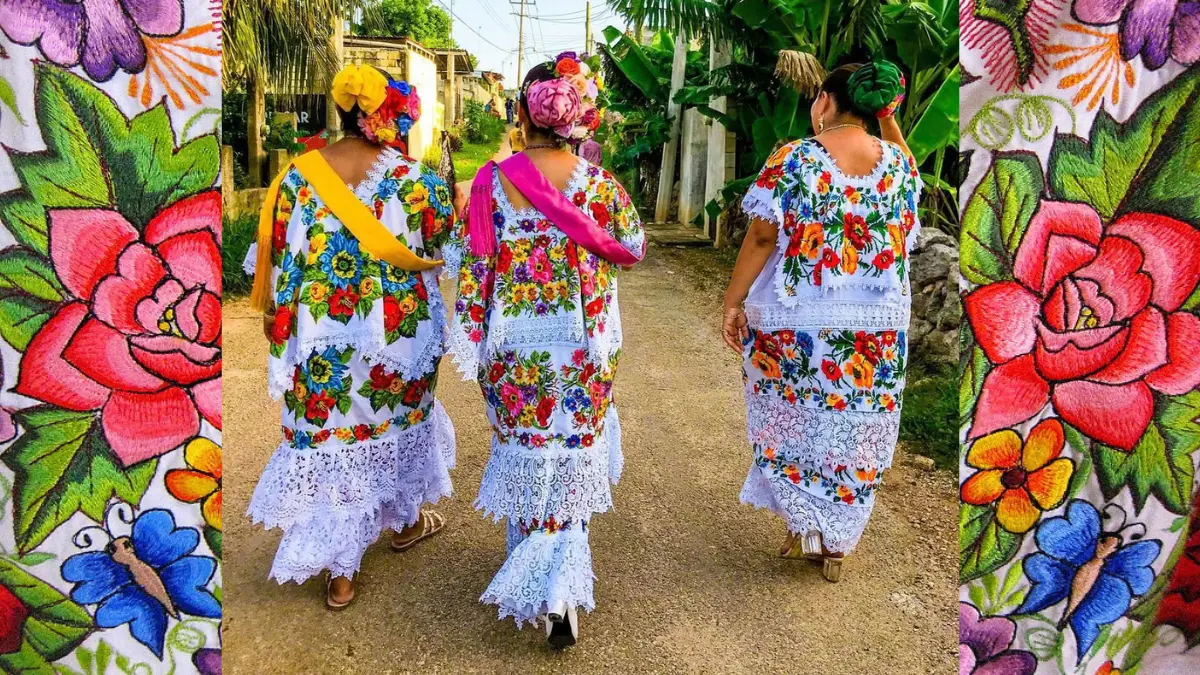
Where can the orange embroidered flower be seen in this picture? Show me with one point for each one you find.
(849, 258)
(866, 475)
(768, 365)
(860, 370)
(1024, 480)
(201, 482)
(812, 241)
(844, 493)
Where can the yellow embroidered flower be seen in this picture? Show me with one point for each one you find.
(834, 400)
(418, 199)
(304, 195)
(889, 353)
(300, 390)
(467, 287)
(408, 305)
(317, 291)
(386, 134)
(849, 258)
(384, 425)
(780, 155)
(1023, 480)
(396, 386)
(415, 416)
(896, 239)
(366, 287)
(527, 376)
(515, 295)
(527, 416)
(766, 364)
(812, 241)
(201, 481)
(344, 434)
(557, 253)
(316, 246)
(860, 371)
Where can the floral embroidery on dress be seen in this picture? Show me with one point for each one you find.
(854, 235)
(303, 440)
(838, 483)
(526, 391)
(830, 369)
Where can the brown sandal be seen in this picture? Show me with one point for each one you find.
(431, 521)
(331, 604)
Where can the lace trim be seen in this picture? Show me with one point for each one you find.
(877, 172)
(522, 483)
(250, 262)
(541, 569)
(759, 202)
(841, 525)
(828, 314)
(384, 161)
(803, 435)
(542, 330)
(578, 175)
(343, 482)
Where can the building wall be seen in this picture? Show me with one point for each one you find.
(421, 71)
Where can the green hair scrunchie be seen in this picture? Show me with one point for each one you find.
(875, 86)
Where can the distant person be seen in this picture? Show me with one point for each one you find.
(508, 109)
(590, 150)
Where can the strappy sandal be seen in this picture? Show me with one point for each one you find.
(831, 568)
(331, 604)
(806, 546)
(431, 521)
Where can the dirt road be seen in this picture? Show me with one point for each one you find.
(687, 577)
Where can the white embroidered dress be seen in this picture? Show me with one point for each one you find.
(538, 326)
(824, 367)
(354, 354)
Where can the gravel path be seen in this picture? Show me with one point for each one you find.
(687, 577)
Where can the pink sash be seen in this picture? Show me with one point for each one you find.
(545, 198)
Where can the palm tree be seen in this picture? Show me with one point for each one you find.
(283, 44)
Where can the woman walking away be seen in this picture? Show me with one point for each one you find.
(536, 323)
(823, 275)
(355, 325)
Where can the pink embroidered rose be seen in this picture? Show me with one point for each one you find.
(139, 338)
(1091, 323)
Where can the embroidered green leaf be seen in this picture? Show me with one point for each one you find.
(29, 294)
(997, 216)
(1160, 464)
(213, 537)
(55, 625)
(975, 367)
(63, 464)
(9, 99)
(983, 545)
(1149, 163)
(97, 158)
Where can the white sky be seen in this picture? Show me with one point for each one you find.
(488, 29)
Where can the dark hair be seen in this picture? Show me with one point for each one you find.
(837, 85)
(349, 117)
(542, 72)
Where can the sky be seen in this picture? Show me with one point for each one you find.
(488, 29)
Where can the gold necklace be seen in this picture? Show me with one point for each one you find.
(841, 126)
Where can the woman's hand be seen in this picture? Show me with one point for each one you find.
(734, 329)
(462, 190)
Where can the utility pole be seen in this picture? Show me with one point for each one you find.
(587, 30)
(520, 42)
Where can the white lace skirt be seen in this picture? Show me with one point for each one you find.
(551, 468)
(334, 500)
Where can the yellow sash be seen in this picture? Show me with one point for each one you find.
(346, 207)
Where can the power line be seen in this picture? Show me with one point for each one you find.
(468, 26)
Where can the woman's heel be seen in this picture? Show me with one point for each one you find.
(562, 625)
(812, 544)
(831, 569)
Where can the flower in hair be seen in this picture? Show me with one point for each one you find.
(359, 85)
(554, 104)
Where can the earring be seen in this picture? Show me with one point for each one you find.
(820, 124)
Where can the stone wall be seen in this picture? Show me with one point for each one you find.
(936, 305)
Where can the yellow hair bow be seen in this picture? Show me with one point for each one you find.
(362, 85)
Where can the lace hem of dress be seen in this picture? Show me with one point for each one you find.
(841, 525)
(756, 204)
(803, 435)
(542, 569)
(523, 483)
(827, 314)
(312, 487)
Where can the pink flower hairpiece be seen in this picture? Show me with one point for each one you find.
(554, 104)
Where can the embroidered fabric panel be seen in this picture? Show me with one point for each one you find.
(329, 293)
(541, 288)
(827, 369)
(110, 324)
(1080, 263)
(837, 231)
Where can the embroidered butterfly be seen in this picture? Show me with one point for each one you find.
(1093, 569)
(143, 578)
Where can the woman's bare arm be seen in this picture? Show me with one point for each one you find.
(756, 249)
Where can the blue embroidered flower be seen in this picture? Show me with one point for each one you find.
(160, 553)
(301, 440)
(341, 261)
(388, 187)
(1073, 550)
(324, 371)
(396, 280)
(404, 123)
(805, 342)
(498, 219)
(289, 278)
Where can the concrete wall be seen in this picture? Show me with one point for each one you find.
(693, 138)
(421, 72)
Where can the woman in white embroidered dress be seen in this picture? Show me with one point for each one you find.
(537, 325)
(823, 278)
(354, 349)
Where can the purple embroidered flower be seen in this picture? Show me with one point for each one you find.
(102, 35)
(1156, 29)
(983, 645)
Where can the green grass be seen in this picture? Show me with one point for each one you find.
(929, 422)
(237, 234)
(473, 155)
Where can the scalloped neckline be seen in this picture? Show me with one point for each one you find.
(501, 196)
(876, 172)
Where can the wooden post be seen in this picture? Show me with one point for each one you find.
(333, 123)
(449, 96)
(666, 173)
(718, 56)
(255, 118)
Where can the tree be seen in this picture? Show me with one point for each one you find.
(417, 20)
